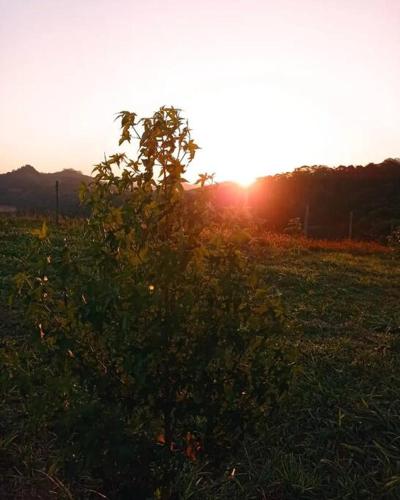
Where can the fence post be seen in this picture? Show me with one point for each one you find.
(306, 217)
(351, 225)
(57, 202)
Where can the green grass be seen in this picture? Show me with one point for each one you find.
(336, 435)
(342, 423)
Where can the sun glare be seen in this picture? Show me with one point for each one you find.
(244, 179)
(246, 183)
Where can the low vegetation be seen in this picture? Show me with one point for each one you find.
(335, 436)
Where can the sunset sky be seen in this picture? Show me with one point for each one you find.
(267, 85)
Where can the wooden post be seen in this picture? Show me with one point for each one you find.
(57, 202)
(351, 225)
(306, 217)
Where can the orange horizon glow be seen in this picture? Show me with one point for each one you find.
(267, 86)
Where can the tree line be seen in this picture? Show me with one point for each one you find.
(364, 197)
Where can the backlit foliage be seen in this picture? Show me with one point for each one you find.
(155, 329)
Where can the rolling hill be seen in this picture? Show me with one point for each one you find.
(28, 190)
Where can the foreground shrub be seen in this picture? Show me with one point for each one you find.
(156, 333)
(394, 238)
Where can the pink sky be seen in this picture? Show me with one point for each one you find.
(267, 85)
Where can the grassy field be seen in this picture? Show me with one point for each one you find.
(337, 434)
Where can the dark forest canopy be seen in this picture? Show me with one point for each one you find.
(371, 192)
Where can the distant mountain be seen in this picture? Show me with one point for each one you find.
(28, 190)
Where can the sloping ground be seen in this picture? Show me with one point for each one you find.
(339, 435)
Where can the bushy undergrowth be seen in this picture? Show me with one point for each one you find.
(299, 242)
(394, 239)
